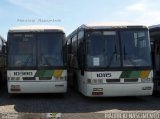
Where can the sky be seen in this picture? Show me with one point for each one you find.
(70, 14)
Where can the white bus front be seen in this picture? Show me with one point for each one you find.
(118, 63)
(36, 62)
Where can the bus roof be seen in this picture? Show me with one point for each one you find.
(154, 26)
(108, 26)
(36, 28)
(112, 25)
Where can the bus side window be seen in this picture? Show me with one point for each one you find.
(69, 51)
(74, 51)
(80, 50)
(74, 45)
(153, 53)
(4, 50)
(69, 48)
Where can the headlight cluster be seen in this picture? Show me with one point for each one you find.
(13, 78)
(146, 80)
(95, 81)
(61, 78)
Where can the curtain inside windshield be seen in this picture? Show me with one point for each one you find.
(21, 50)
(50, 49)
(135, 48)
(103, 49)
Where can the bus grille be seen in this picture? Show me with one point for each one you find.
(130, 80)
(28, 78)
(112, 80)
(45, 78)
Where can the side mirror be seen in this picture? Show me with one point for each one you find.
(82, 65)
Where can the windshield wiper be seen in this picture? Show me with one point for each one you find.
(27, 60)
(111, 59)
(130, 60)
(46, 60)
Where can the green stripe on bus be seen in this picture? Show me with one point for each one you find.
(40, 73)
(125, 74)
(44, 73)
(48, 73)
(135, 74)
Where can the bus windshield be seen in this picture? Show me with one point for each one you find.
(21, 50)
(36, 49)
(50, 47)
(135, 48)
(103, 49)
(130, 48)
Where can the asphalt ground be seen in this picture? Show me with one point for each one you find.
(72, 105)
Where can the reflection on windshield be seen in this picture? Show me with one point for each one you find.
(23, 60)
(26, 49)
(51, 53)
(136, 50)
(103, 49)
(22, 50)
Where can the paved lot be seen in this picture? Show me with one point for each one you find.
(73, 105)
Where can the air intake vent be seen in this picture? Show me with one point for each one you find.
(130, 80)
(112, 80)
(45, 78)
(28, 78)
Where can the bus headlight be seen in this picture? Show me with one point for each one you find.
(13, 78)
(61, 78)
(100, 81)
(9, 78)
(89, 81)
(146, 80)
(95, 81)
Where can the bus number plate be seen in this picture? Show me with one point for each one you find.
(15, 87)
